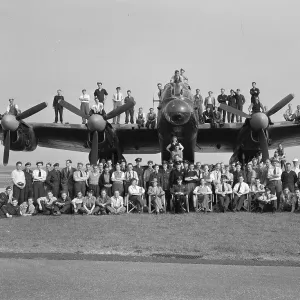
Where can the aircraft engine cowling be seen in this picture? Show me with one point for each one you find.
(177, 112)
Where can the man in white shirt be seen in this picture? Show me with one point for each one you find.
(223, 191)
(240, 190)
(39, 177)
(210, 101)
(117, 101)
(97, 108)
(18, 178)
(295, 167)
(80, 177)
(157, 94)
(85, 104)
(185, 79)
(12, 109)
(215, 175)
(176, 78)
(117, 204)
(135, 194)
(140, 118)
(129, 175)
(274, 179)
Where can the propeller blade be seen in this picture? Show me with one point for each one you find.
(263, 142)
(31, 111)
(94, 151)
(280, 104)
(234, 111)
(6, 148)
(72, 109)
(121, 109)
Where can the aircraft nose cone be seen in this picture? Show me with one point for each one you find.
(178, 112)
(9, 122)
(259, 121)
(96, 123)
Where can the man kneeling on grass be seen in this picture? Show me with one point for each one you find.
(62, 205)
(27, 208)
(10, 209)
(117, 204)
(45, 204)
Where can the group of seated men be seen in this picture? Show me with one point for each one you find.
(176, 186)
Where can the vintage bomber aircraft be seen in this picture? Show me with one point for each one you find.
(176, 116)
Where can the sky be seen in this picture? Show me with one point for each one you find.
(134, 44)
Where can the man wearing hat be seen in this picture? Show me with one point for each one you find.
(117, 102)
(100, 93)
(179, 193)
(175, 173)
(139, 170)
(147, 173)
(240, 101)
(6, 196)
(129, 112)
(39, 178)
(67, 181)
(28, 190)
(12, 108)
(223, 191)
(274, 180)
(53, 180)
(18, 178)
(210, 101)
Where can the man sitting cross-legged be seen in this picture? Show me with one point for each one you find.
(223, 191)
(202, 193)
(77, 203)
(102, 202)
(46, 204)
(88, 204)
(240, 190)
(266, 199)
(117, 204)
(63, 204)
(287, 201)
(256, 190)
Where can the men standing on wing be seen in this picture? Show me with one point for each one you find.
(222, 99)
(198, 105)
(18, 178)
(57, 107)
(100, 93)
(185, 79)
(254, 92)
(117, 102)
(129, 111)
(39, 178)
(85, 104)
(12, 108)
(231, 102)
(240, 101)
(67, 181)
(210, 101)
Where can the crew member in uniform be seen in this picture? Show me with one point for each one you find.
(179, 192)
(139, 170)
(53, 180)
(140, 118)
(58, 109)
(129, 112)
(28, 190)
(39, 178)
(151, 119)
(12, 108)
(222, 99)
(67, 181)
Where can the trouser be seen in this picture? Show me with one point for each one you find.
(167, 198)
(80, 186)
(238, 202)
(202, 200)
(140, 122)
(151, 124)
(58, 109)
(239, 107)
(287, 207)
(179, 201)
(119, 210)
(47, 209)
(38, 190)
(66, 209)
(18, 194)
(223, 202)
(117, 118)
(54, 189)
(85, 108)
(230, 117)
(69, 189)
(28, 191)
(99, 209)
(127, 113)
(95, 188)
(263, 204)
(157, 202)
(276, 188)
(137, 201)
(223, 113)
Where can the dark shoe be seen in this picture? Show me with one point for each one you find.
(273, 210)
(57, 213)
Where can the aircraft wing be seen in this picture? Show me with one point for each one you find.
(217, 139)
(74, 137)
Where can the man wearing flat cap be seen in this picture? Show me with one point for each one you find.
(139, 170)
(28, 190)
(117, 102)
(53, 180)
(39, 178)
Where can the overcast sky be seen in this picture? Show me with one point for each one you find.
(70, 45)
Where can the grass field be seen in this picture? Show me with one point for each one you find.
(212, 236)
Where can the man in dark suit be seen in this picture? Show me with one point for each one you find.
(231, 102)
(67, 181)
(240, 101)
(254, 92)
(57, 107)
(53, 180)
(28, 190)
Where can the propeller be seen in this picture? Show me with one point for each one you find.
(257, 122)
(10, 123)
(97, 123)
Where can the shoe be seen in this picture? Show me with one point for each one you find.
(57, 213)
(54, 122)
(273, 210)
(126, 122)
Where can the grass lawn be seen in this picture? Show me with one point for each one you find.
(211, 236)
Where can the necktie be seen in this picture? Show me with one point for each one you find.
(223, 187)
(40, 173)
(274, 172)
(68, 172)
(117, 96)
(239, 188)
(81, 174)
